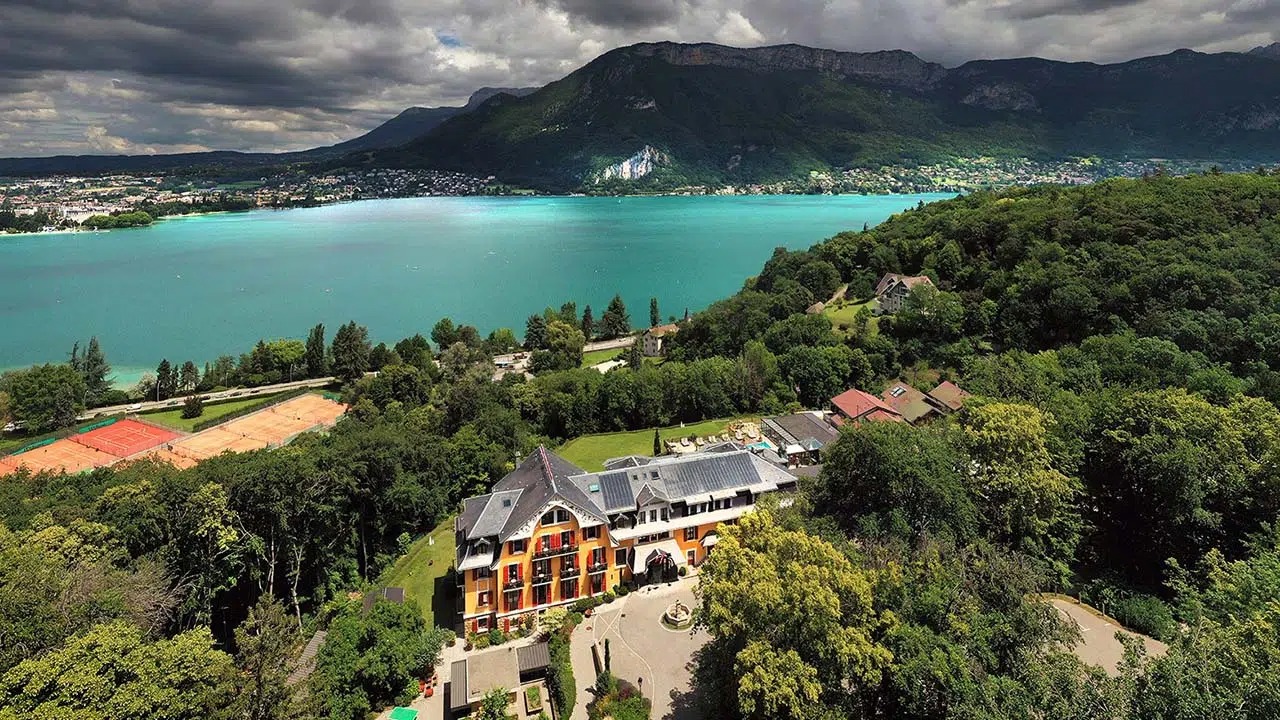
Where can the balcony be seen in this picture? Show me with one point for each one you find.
(541, 578)
(513, 584)
(594, 568)
(570, 572)
(569, 549)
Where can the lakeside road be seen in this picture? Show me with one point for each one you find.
(208, 397)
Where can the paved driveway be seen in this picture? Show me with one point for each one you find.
(656, 659)
(1098, 644)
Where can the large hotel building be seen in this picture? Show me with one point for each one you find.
(550, 532)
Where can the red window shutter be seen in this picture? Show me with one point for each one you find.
(475, 626)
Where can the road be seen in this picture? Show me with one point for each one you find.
(209, 397)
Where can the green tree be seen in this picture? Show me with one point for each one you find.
(657, 443)
(45, 397)
(189, 377)
(757, 374)
(635, 354)
(96, 371)
(795, 620)
(1024, 500)
(493, 706)
(565, 343)
(224, 371)
(350, 352)
(588, 324)
(381, 356)
(444, 333)
(501, 341)
(193, 406)
(166, 381)
(313, 356)
(615, 322)
(655, 318)
(535, 333)
(265, 646)
(415, 351)
(112, 671)
(569, 313)
(896, 478)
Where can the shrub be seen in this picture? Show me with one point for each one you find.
(1146, 614)
(496, 636)
(608, 597)
(621, 590)
(683, 571)
(533, 696)
(193, 407)
(479, 641)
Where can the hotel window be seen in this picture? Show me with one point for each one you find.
(597, 584)
(690, 534)
(482, 574)
(566, 538)
(541, 594)
(541, 568)
(555, 516)
(597, 557)
(568, 589)
(483, 598)
(620, 557)
(482, 624)
(666, 514)
(591, 533)
(517, 547)
(653, 516)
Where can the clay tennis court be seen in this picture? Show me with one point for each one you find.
(7, 466)
(214, 441)
(182, 462)
(272, 428)
(315, 409)
(62, 455)
(125, 437)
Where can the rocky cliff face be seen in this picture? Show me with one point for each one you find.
(635, 167)
(893, 67)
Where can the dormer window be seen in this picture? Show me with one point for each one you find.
(555, 516)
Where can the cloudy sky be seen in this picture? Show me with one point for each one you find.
(140, 76)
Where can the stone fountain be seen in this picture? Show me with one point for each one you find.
(678, 616)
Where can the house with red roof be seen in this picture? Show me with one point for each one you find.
(857, 406)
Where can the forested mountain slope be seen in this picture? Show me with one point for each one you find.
(711, 113)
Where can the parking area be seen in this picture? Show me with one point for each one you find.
(1098, 644)
(643, 651)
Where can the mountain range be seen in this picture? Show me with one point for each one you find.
(676, 114)
(662, 114)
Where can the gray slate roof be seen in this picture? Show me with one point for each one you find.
(544, 477)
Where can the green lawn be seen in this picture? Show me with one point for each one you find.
(595, 357)
(173, 418)
(424, 574)
(843, 314)
(590, 451)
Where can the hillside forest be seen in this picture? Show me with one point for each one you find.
(1121, 340)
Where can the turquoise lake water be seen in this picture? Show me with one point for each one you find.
(197, 287)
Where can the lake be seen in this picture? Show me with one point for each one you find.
(197, 287)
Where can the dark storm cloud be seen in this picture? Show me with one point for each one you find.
(166, 75)
(1033, 9)
(622, 14)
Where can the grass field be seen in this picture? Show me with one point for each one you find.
(596, 357)
(173, 418)
(844, 312)
(590, 451)
(424, 574)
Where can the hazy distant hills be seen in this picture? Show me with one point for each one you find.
(708, 113)
(1271, 51)
(408, 125)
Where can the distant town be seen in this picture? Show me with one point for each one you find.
(60, 203)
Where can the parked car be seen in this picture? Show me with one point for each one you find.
(135, 406)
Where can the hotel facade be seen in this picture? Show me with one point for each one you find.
(550, 533)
